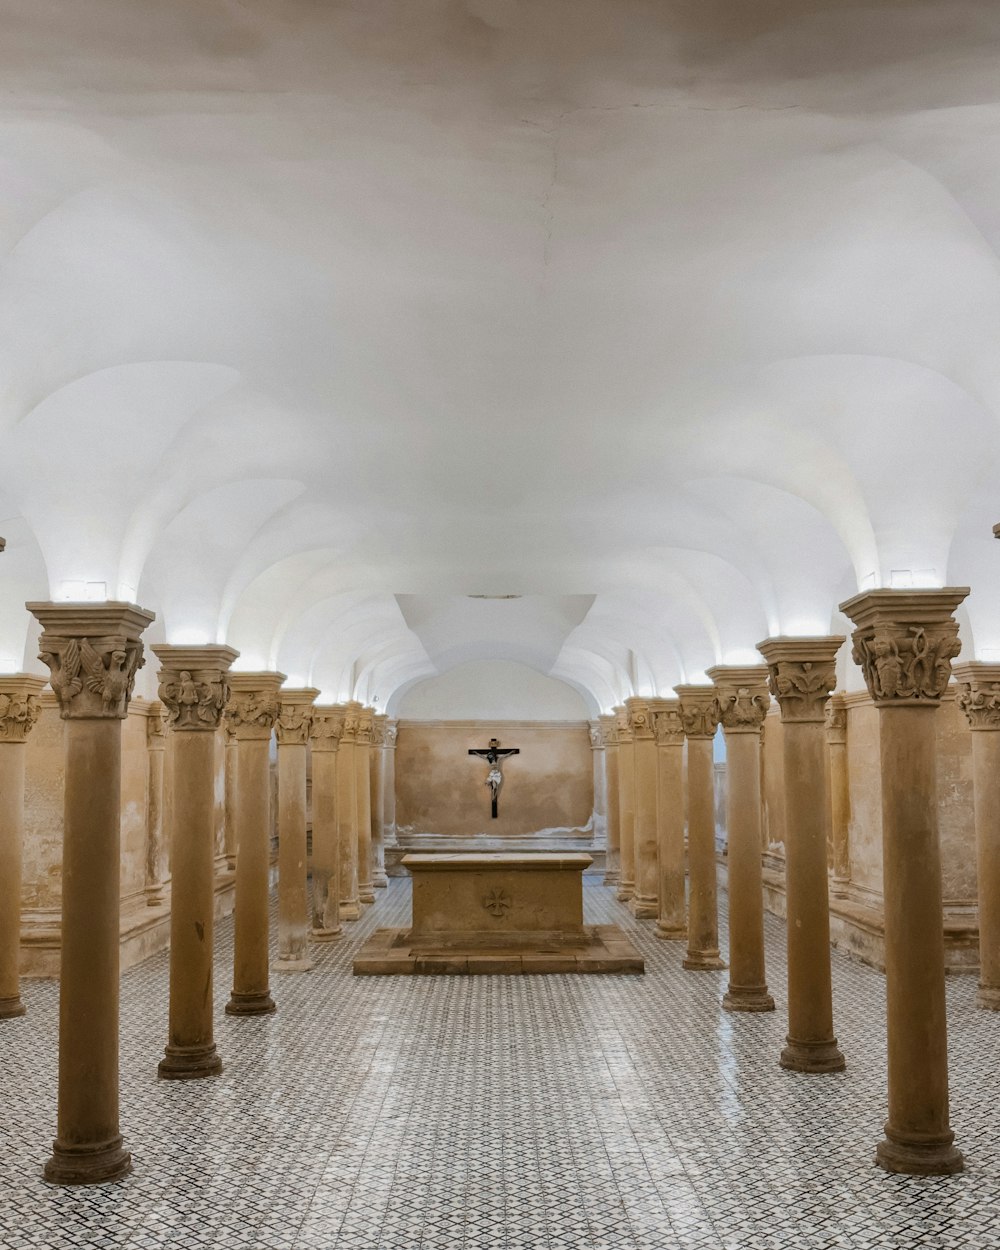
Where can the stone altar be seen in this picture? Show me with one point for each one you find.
(506, 913)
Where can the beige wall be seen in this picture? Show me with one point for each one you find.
(440, 788)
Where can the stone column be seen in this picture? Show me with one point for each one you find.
(644, 903)
(979, 699)
(613, 863)
(347, 820)
(743, 704)
(379, 879)
(600, 817)
(905, 641)
(157, 859)
(92, 651)
(252, 713)
(668, 730)
(327, 727)
(389, 782)
(194, 690)
(626, 804)
(231, 769)
(802, 672)
(19, 710)
(292, 730)
(699, 710)
(363, 801)
(840, 793)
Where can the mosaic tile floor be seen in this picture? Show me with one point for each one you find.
(561, 1111)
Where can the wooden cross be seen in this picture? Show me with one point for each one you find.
(493, 754)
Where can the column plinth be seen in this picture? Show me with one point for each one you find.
(979, 699)
(292, 730)
(668, 730)
(612, 863)
(904, 642)
(840, 794)
(92, 651)
(347, 814)
(626, 805)
(194, 691)
(699, 710)
(326, 729)
(19, 710)
(743, 703)
(644, 903)
(251, 716)
(363, 803)
(802, 672)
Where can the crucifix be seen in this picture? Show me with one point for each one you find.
(493, 754)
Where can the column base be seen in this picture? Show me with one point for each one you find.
(350, 909)
(250, 1004)
(987, 997)
(366, 894)
(11, 1008)
(301, 964)
(326, 935)
(644, 908)
(747, 998)
(189, 1063)
(625, 891)
(380, 880)
(812, 1056)
(703, 961)
(671, 933)
(611, 877)
(920, 1156)
(98, 1164)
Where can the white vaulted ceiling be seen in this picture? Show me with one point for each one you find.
(676, 318)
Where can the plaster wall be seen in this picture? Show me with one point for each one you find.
(440, 788)
(492, 690)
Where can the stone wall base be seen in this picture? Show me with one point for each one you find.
(857, 926)
(144, 931)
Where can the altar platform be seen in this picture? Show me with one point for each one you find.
(497, 914)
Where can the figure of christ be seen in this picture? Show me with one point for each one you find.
(493, 754)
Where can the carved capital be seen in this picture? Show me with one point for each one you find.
(295, 713)
(366, 727)
(904, 642)
(378, 731)
(640, 718)
(92, 652)
(156, 726)
(668, 727)
(254, 704)
(836, 720)
(802, 672)
(20, 707)
(609, 732)
(194, 685)
(979, 693)
(743, 697)
(596, 731)
(391, 733)
(326, 727)
(699, 707)
(623, 726)
(352, 716)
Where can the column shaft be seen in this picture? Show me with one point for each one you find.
(840, 793)
(379, 879)
(612, 873)
(347, 821)
(703, 919)
(672, 919)
(293, 907)
(644, 903)
(156, 849)
(747, 977)
(986, 770)
(904, 642)
(626, 806)
(190, 1050)
(92, 652)
(11, 843)
(327, 726)
(363, 805)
